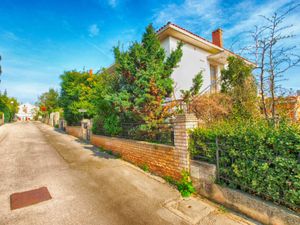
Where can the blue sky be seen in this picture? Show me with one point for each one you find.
(41, 39)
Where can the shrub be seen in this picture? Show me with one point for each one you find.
(185, 185)
(112, 125)
(254, 156)
(211, 108)
(145, 167)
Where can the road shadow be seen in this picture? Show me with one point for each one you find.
(87, 145)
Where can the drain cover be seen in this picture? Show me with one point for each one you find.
(190, 209)
(26, 198)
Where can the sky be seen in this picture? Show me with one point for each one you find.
(40, 39)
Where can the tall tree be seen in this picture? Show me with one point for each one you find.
(274, 53)
(144, 80)
(238, 82)
(9, 106)
(49, 100)
(77, 92)
(0, 69)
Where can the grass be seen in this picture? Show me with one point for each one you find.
(145, 167)
(223, 209)
(170, 180)
(110, 152)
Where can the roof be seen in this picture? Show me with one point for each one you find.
(194, 39)
(169, 24)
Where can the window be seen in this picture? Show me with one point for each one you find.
(213, 79)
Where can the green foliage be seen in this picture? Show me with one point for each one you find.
(0, 68)
(110, 152)
(223, 209)
(170, 180)
(78, 92)
(238, 82)
(145, 167)
(195, 89)
(8, 106)
(112, 125)
(50, 100)
(255, 156)
(185, 185)
(141, 82)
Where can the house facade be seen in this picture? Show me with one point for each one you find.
(199, 54)
(26, 112)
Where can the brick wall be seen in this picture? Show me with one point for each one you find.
(161, 159)
(74, 131)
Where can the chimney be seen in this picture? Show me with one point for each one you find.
(217, 38)
(91, 72)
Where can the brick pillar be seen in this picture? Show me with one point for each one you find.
(182, 124)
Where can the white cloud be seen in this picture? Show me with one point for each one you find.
(93, 30)
(253, 16)
(112, 3)
(10, 36)
(203, 17)
(192, 14)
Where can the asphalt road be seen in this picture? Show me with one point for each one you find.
(87, 187)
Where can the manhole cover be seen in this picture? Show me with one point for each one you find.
(26, 198)
(190, 209)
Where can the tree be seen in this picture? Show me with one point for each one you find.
(143, 76)
(77, 92)
(211, 108)
(106, 85)
(49, 100)
(187, 95)
(9, 106)
(274, 55)
(238, 82)
(0, 69)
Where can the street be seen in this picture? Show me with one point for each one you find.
(87, 186)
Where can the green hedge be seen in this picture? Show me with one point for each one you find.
(255, 157)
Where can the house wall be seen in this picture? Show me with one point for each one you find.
(192, 62)
(26, 111)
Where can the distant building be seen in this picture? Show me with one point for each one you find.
(26, 112)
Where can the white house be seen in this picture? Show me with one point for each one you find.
(199, 54)
(26, 112)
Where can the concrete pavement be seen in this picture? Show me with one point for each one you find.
(88, 187)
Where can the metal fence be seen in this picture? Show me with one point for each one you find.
(162, 133)
(225, 163)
